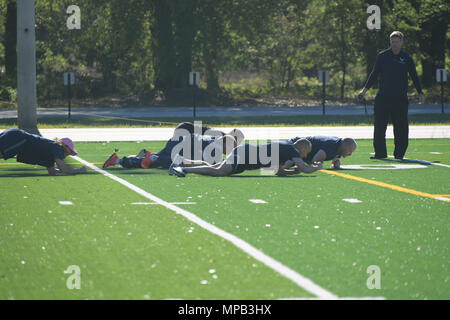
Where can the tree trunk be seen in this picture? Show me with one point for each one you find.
(210, 53)
(183, 41)
(10, 43)
(343, 55)
(163, 47)
(433, 47)
(344, 71)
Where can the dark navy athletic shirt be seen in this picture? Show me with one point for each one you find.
(393, 72)
(251, 157)
(192, 128)
(328, 144)
(30, 148)
(195, 143)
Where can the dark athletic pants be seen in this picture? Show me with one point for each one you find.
(164, 157)
(395, 109)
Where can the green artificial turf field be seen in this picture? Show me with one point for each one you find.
(127, 248)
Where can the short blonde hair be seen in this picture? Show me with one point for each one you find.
(62, 145)
(397, 34)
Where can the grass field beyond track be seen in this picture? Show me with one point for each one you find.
(237, 121)
(127, 248)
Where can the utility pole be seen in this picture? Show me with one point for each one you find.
(26, 67)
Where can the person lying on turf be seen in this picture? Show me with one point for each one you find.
(193, 149)
(33, 149)
(252, 157)
(326, 148)
(186, 128)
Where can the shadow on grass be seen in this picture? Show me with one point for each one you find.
(405, 161)
(33, 172)
(271, 176)
(28, 175)
(137, 171)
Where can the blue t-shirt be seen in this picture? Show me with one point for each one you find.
(329, 144)
(252, 157)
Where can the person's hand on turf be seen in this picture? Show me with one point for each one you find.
(336, 164)
(281, 173)
(82, 169)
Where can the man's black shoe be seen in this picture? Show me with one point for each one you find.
(377, 157)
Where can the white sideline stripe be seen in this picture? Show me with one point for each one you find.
(292, 275)
(150, 203)
(251, 133)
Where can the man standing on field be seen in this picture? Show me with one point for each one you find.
(393, 66)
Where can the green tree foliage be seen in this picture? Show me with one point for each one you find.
(10, 41)
(433, 26)
(139, 47)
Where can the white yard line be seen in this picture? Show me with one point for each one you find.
(352, 200)
(440, 165)
(257, 201)
(425, 162)
(292, 275)
(151, 203)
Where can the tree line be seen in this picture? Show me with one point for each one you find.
(148, 47)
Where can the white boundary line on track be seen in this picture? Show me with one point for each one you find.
(290, 274)
(425, 162)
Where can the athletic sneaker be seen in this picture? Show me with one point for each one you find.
(177, 161)
(179, 172)
(112, 161)
(142, 153)
(149, 158)
(173, 165)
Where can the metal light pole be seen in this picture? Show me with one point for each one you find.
(194, 81)
(26, 66)
(441, 76)
(324, 77)
(323, 91)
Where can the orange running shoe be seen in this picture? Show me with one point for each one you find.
(112, 161)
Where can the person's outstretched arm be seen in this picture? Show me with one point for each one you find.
(415, 78)
(64, 168)
(303, 167)
(372, 77)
